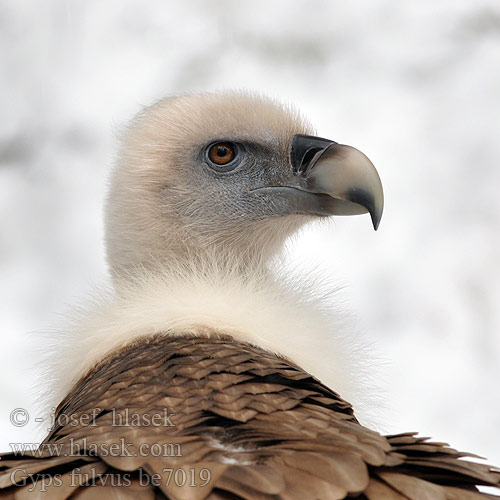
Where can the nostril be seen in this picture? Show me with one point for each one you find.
(305, 149)
(307, 158)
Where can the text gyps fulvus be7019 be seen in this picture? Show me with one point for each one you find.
(204, 374)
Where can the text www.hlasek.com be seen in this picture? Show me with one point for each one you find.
(81, 447)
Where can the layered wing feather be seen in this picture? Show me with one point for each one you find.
(193, 418)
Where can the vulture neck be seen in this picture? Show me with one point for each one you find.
(193, 263)
(208, 295)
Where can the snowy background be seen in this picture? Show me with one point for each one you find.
(416, 86)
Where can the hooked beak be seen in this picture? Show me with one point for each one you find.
(344, 174)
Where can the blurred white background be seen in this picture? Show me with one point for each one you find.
(416, 86)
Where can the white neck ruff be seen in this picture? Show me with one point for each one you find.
(274, 311)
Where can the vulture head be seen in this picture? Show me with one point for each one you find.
(229, 174)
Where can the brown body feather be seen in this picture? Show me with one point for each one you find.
(193, 418)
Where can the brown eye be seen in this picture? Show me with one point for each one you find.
(222, 153)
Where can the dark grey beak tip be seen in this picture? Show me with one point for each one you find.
(373, 205)
(375, 220)
(376, 209)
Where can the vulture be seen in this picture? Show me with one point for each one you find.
(204, 372)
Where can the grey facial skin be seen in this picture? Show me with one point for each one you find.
(314, 176)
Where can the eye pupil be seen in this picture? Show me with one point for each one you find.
(222, 153)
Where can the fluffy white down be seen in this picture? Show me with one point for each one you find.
(290, 316)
